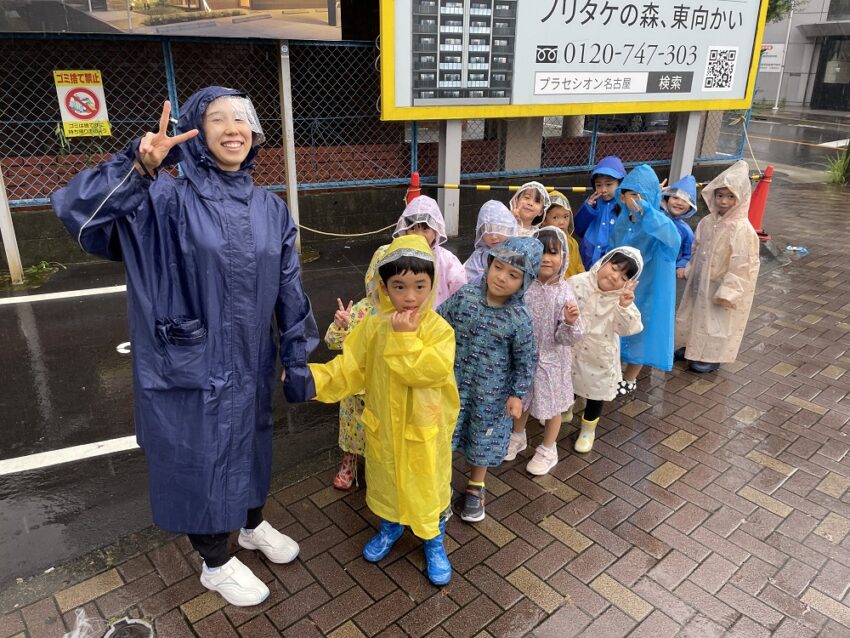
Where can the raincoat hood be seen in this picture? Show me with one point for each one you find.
(404, 246)
(628, 251)
(565, 250)
(612, 166)
(194, 154)
(737, 179)
(557, 198)
(422, 210)
(540, 188)
(686, 189)
(494, 217)
(523, 253)
(643, 181)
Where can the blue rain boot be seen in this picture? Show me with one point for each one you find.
(381, 544)
(436, 561)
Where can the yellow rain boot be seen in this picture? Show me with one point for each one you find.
(584, 442)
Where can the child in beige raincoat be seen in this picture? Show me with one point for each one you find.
(721, 276)
(605, 296)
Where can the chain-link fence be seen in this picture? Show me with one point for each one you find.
(339, 138)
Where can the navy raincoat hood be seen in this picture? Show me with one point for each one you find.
(213, 285)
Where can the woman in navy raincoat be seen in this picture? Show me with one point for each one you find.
(211, 264)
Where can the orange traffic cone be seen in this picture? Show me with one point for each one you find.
(758, 202)
(413, 191)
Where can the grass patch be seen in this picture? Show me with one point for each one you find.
(159, 20)
(838, 168)
(34, 276)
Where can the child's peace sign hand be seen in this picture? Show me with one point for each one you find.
(155, 146)
(342, 316)
(628, 295)
(663, 183)
(571, 313)
(407, 321)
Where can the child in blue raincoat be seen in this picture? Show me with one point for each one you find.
(212, 272)
(643, 225)
(495, 359)
(596, 217)
(679, 201)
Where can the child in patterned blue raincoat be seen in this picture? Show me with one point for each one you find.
(495, 359)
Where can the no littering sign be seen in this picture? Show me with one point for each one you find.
(82, 103)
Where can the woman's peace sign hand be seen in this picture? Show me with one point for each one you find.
(155, 146)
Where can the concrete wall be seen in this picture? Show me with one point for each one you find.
(801, 61)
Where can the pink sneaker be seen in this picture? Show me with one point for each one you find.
(543, 461)
(516, 445)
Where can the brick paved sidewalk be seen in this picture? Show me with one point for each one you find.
(713, 505)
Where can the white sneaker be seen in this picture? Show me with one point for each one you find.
(543, 461)
(277, 547)
(517, 443)
(236, 584)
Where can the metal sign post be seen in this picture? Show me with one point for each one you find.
(289, 137)
(7, 232)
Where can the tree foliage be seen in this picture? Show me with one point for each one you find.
(778, 9)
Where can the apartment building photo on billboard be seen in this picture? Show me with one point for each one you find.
(462, 51)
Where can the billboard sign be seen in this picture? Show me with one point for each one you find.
(500, 58)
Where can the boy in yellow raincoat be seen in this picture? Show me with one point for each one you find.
(403, 357)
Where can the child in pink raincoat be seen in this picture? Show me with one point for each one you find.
(555, 317)
(423, 217)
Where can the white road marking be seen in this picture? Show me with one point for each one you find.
(67, 455)
(836, 144)
(123, 348)
(68, 294)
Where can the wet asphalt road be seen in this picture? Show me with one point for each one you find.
(62, 383)
(65, 384)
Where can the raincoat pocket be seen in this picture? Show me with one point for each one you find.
(373, 441)
(183, 361)
(421, 444)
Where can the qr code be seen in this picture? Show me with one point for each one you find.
(720, 68)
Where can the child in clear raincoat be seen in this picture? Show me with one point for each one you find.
(494, 365)
(679, 201)
(351, 440)
(402, 357)
(528, 205)
(557, 327)
(560, 215)
(721, 276)
(422, 216)
(597, 214)
(644, 226)
(494, 225)
(605, 296)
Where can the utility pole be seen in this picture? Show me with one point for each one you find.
(784, 57)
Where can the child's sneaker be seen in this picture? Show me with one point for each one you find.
(625, 388)
(473, 504)
(543, 461)
(277, 547)
(517, 443)
(236, 583)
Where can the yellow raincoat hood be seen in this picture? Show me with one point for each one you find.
(403, 246)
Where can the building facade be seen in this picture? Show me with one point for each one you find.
(463, 51)
(817, 58)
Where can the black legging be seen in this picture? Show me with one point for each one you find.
(593, 410)
(213, 547)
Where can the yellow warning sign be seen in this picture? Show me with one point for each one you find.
(82, 103)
